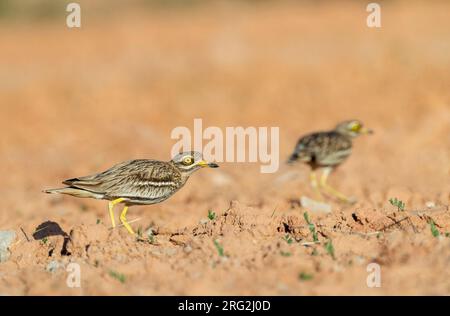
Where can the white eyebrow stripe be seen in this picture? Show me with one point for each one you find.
(156, 184)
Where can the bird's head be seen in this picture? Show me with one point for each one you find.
(190, 161)
(352, 128)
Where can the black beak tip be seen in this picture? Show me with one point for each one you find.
(213, 165)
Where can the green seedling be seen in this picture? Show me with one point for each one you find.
(44, 240)
(150, 236)
(219, 248)
(211, 215)
(288, 239)
(311, 226)
(330, 249)
(305, 276)
(434, 230)
(98, 221)
(118, 276)
(139, 233)
(397, 203)
(285, 253)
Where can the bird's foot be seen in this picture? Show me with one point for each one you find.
(123, 219)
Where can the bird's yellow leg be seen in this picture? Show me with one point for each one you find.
(111, 207)
(315, 185)
(123, 219)
(331, 190)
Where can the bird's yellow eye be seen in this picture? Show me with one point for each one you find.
(355, 126)
(188, 160)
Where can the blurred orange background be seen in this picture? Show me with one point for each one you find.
(77, 101)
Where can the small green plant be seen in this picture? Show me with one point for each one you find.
(211, 215)
(434, 230)
(219, 248)
(44, 240)
(288, 239)
(311, 226)
(330, 248)
(303, 276)
(285, 253)
(150, 236)
(118, 276)
(397, 203)
(98, 221)
(447, 234)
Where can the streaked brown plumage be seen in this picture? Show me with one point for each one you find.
(134, 182)
(322, 149)
(327, 150)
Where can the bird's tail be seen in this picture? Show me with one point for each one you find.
(74, 192)
(292, 158)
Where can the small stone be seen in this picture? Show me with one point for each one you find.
(430, 204)
(6, 239)
(315, 206)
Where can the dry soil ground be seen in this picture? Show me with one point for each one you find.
(73, 102)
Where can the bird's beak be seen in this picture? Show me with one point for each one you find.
(365, 130)
(203, 164)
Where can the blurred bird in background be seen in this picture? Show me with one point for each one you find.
(327, 150)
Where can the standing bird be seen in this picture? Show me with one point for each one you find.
(327, 150)
(136, 182)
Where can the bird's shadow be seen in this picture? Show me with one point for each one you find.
(49, 228)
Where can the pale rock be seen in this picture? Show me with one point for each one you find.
(315, 206)
(6, 239)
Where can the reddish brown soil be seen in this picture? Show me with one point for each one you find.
(73, 102)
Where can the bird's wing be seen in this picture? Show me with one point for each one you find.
(141, 179)
(323, 148)
(307, 147)
(334, 149)
(96, 179)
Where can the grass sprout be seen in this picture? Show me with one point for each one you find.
(118, 276)
(219, 248)
(211, 215)
(150, 236)
(288, 239)
(434, 230)
(303, 276)
(311, 226)
(397, 203)
(330, 249)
